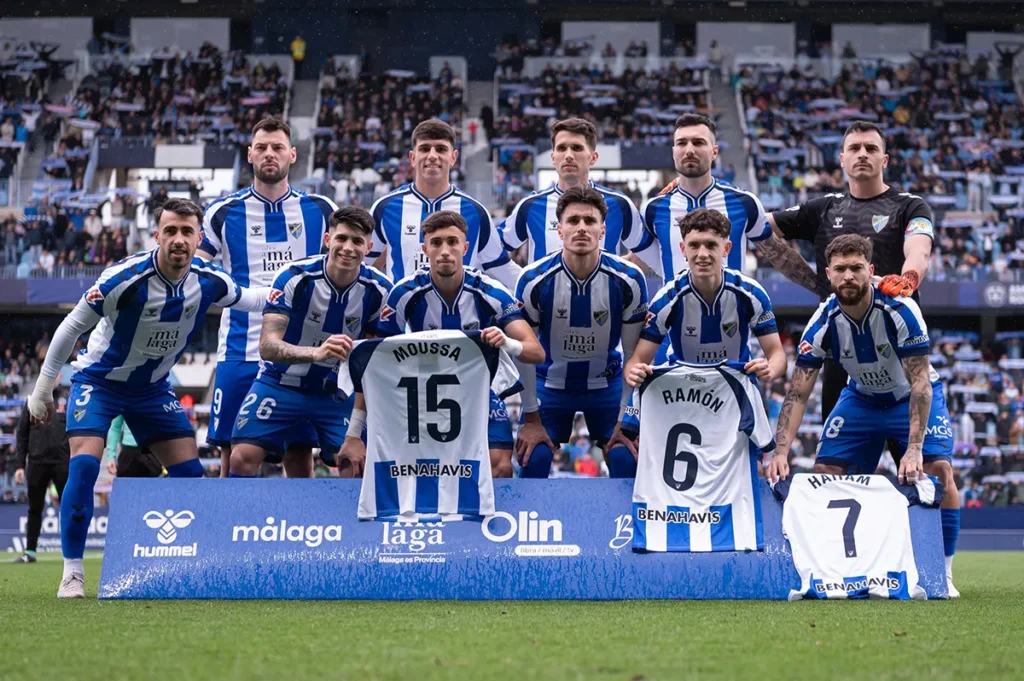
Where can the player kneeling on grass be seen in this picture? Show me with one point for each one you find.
(583, 301)
(451, 297)
(148, 307)
(316, 308)
(894, 393)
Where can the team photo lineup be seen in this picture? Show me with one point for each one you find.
(430, 333)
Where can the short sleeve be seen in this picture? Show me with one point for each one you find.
(635, 309)
(282, 293)
(506, 308)
(757, 228)
(350, 372)
(802, 221)
(380, 240)
(762, 321)
(911, 330)
(505, 379)
(917, 217)
(811, 352)
(527, 293)
(513, 230)
(658, 319)
(391, 321)
(213, 229)
(232, 291)
(489, 250)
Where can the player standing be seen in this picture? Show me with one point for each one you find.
(254, 233)
(315, 310)
(882, 343)
(448, 296)
(583, 301)
(399, 215)
(148, 307)
(693, 152)
(709, 310)
(534, 220)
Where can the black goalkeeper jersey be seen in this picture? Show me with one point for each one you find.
(887, 219)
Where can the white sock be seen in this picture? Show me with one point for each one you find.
(73, 566)
(949, 566)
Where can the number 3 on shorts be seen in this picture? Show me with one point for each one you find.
(833, 426)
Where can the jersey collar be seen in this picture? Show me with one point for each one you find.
(860, 326)
(710, 307)
(579, 287)
(340, 293)
(559, 191)
(452, 309)
(700, 197)
(435, 204)
(176, 287)
(275, 206)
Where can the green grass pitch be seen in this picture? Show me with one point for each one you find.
(977, 638)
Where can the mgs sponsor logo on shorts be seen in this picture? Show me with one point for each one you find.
(169, 526)
(411, 542)
(534, 536)
(281, 531)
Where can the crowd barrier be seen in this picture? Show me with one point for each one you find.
(551, 539)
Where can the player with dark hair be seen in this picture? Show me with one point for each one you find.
(449, 296)
(315, 310)
(533, 221)
(254, 233)
(148, 307)
(894, 393)
(398, 215)
(583, 301)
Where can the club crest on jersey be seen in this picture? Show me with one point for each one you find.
(255, 230)
(79, 414)
(601, 316)
(295, 229)
(806, 348)
(93, 295)
(878, 222)
(471, 326)
(190, 311)
(730, 329)
(386, 312)
(885, 350)
(352, 323)
(561, 313)
(274, 295)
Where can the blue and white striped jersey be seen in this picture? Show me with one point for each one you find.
(427, 402)
(147, 320)
(580, 322)
(743, 209)
(254, 238)
(702, 331)
(533, 222)
(870, 350)
(316, 310)
(415, 305)
(696, 478)
(399, 214)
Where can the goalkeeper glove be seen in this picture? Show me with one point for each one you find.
(900, 285)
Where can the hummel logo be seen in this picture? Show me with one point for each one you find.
(168, 523)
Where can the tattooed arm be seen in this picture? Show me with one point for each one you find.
(785, 257)
(917, 371)
(273, 347)
(792, 414)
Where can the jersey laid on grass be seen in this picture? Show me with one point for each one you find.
(416, 305)
(709, 331)
(696, 477)
(427, 403)
(743, 209)
(399, 214)
(254, 238)
(580, 322)
(317, 310)
(850, 534)
(533, 222)
(147, 321)
(870, 350)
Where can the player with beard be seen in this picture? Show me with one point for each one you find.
(881, 341)
(255, 233)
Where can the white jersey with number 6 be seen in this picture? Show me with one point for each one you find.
(850, 534)
(696, 479)
(427, 402)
